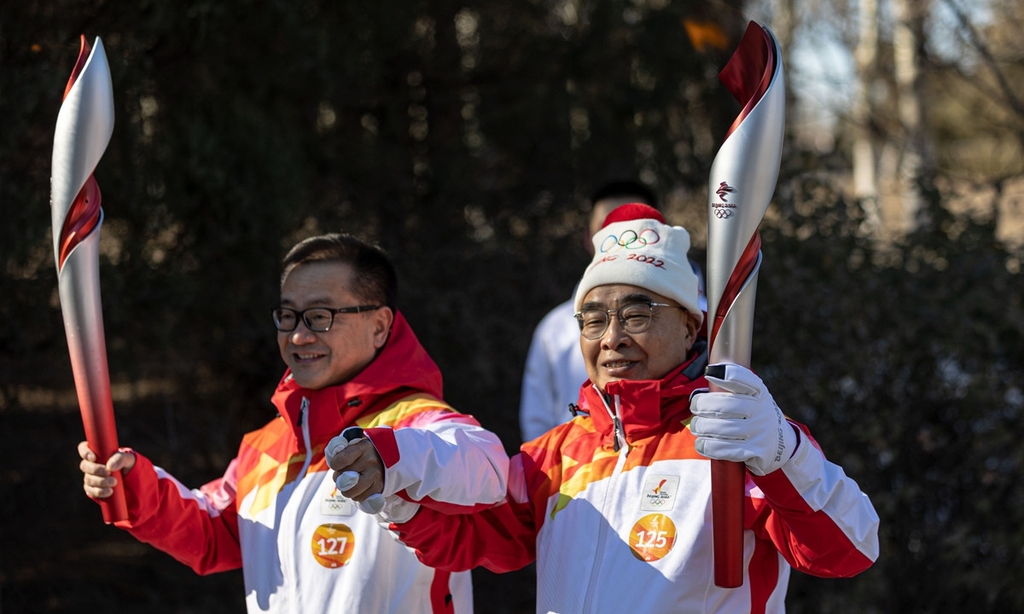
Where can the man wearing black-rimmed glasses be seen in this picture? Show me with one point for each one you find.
(354, 365)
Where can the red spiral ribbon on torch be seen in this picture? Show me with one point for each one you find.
(84, 214)
(747, 266)
(84, 126)
(743, 178)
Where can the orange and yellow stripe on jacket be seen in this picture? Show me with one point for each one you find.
(270, 457)
(569, 459)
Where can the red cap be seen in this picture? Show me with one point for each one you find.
(633, 211)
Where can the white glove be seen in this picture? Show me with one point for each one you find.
(372, 504)
(334, 446)
(742, 423)
(347, 479)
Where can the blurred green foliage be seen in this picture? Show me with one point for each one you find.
(463, 137)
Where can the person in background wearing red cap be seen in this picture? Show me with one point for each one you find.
(554, 369)
(356, 368)
(615, 505)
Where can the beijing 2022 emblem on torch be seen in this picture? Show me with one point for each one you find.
(740, 186)
(85, 124)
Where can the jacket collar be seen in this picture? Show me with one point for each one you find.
(644, 406)
(403, 367)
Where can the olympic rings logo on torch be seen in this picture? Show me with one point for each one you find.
(723, 210)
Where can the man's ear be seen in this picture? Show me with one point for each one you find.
(383, 318)
(691, 327)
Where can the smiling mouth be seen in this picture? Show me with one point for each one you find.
(619, 364)
(306, 357)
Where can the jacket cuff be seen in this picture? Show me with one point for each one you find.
(396, 511)
(383, 439)
(135, 484)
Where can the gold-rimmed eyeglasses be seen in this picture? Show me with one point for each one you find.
(634, 318)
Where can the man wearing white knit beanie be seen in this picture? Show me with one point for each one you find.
(615, 505)
(640, 266)
(635, 246)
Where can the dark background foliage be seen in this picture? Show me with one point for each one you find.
(463, 136)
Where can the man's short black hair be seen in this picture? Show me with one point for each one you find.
(619, 189)
(374, 278)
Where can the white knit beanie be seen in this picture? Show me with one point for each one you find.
(636, 247)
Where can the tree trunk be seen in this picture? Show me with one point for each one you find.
(914, 162)
(865, 180)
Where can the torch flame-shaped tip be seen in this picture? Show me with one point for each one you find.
(750, 71)
(83, 55)
(743, 176)
(84, 214)
(84, 126)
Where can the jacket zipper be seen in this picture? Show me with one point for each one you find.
(602, 530)
(297, 519)
(304, 423)
(618, 433)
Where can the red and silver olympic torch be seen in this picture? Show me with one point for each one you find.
(741, 185)
(84, 126)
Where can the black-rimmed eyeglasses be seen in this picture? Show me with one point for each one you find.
(316, 319)
(634, 318)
